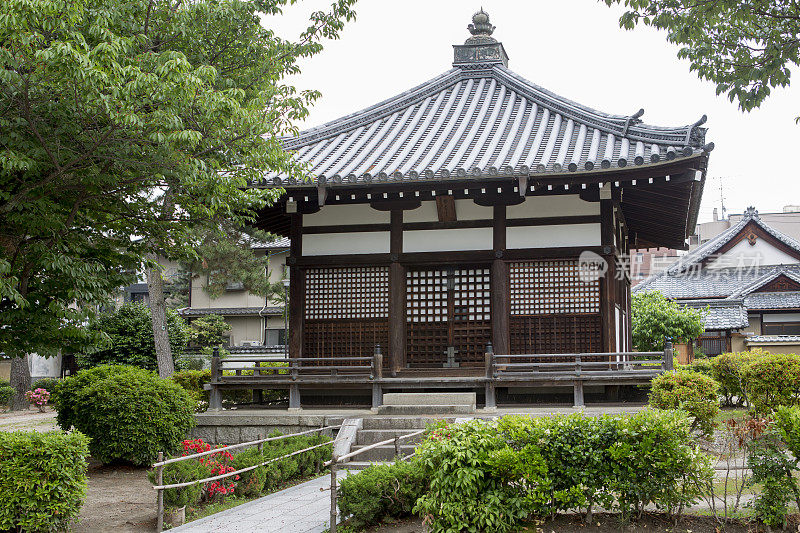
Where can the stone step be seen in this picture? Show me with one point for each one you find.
(371, 436)
(430, 398)
(381, 453)
(402, 422)
(426, 409)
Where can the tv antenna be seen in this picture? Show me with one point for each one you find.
(722, 200)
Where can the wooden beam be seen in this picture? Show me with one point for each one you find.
(397, 295)
(607, 287)
(446, 208)
(297, 288)
(500, 292)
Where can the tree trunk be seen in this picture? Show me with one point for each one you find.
(158, 313)
(21, 382)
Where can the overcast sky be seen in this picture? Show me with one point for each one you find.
(576, 49)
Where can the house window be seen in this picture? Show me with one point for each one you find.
(781, 328)
(274, 337)
(639, 257)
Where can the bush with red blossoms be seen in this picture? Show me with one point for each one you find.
(38, 397)
(218, 463)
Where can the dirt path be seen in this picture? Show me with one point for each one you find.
(30, 420)
(119, 499)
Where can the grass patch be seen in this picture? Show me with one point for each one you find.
(726, 414)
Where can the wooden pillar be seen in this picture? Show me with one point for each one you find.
(608, 288)
(297, 288)
(500, 293)
(397, 295)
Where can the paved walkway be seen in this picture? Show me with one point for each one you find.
(304, 508)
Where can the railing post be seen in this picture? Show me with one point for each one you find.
(578, 364)
(294, 388)
(377, 373)
(332, 527)
(214, 395)
(160, 497)
(260, 444)
(577, 389)
(491, 400)
(397, 446)
(669, 363)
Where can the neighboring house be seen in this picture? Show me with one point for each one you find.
(787, 222)
(749, 278)
(254, 320)
(648, 261)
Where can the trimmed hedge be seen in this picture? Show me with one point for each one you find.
(491, 476)
(688, 391)
(129, 413)
(728, 368)
(381, 491)
(773, 380)
(181, 472)
(42, 480)
(6, 392)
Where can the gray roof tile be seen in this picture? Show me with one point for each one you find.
(722, 314)
(773, 300)
(767, 339)
(230, 311)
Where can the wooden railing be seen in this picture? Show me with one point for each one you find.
(500, 370)
(159, 466)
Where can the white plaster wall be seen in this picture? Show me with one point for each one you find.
(566, 235)
(447, 240)
(368, 242)
(246, 328)
(743, 254)
(552, 206)
(339, 215)
(424, 213)
(201, 299)
(44, 367)
(469, 210)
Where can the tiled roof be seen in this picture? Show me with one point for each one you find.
(480, 119)
(703, 283)
(773, 300)
(722, 314)
(277, 244)
(769, 339)
(230, 311)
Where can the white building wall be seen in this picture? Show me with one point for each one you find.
(372, 242)
(553, 206)
(744, 254)
(447, 240)
(566, 235)
(340, 215)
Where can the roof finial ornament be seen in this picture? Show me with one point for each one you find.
(480, 24)
(751, 212)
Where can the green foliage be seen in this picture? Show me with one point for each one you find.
(130, 331)
(209, 331)
(181, 472)
(48, 384)
(655, 319)
(490, 476)
(773, 380)
(701, 365)
(727, 370)
(381, 491)
(192, 382)
(129, 413)
(251, 483)
(6, 392)
(688, 391)
(42, 480)
(746, 48)
(133, 117)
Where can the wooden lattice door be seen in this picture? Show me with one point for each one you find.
(448, 317)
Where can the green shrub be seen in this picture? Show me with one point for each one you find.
(42, 480)
(381, 491)
(48, 384)
(181, 472)
(772, 380)
(727, 370)
(130, 330)
(6, 392)
(192, 382)
(129, 413)
(251, 483)
(490, 476)
(702, 365)
(694, 393)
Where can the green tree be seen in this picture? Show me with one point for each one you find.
(123, 118)
(130, 335)
(655, 319)
(209, 331)
(745, 47)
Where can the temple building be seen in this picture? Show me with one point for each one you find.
(477, 208)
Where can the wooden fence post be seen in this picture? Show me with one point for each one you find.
(397, 446)
(669, 363)
(577, 389)
(377, 372)
(214, 395)
(332, 528)
(491, 400)
(294, 388)
(160, 497)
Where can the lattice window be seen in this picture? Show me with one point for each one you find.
(347, 292)
(426, 295)
(551, 287)
(555, 333)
